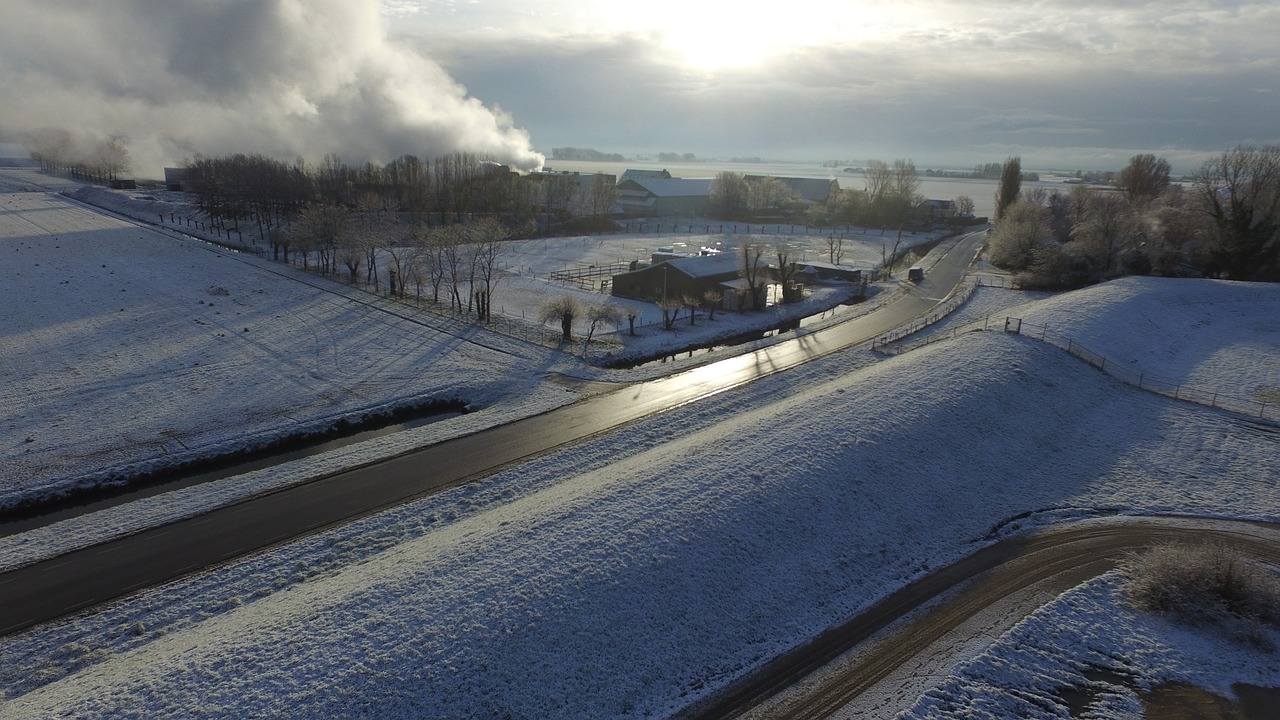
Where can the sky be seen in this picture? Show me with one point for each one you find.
(943, 82)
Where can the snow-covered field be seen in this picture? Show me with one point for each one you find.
(632, 573)
(1091, 639)
(132, 350)
(528, 265)
(124, 348)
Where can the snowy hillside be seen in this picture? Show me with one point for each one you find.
(627, 575)
(632, 573)
(124, 348)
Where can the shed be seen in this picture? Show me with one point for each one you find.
(655, 197)
(817, 270)
(175, 178)
(692, 275)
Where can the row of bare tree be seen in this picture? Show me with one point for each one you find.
(1224, 223)
(97, 159)
(269, 192)
(461, 262)
(891, 200)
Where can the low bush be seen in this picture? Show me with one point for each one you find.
(1206, 584)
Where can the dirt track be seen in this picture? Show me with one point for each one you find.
(1056, 559)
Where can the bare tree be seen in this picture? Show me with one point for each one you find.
(787, 271)
(892, 193)
(352, 252)
(691, 302)
(430, 263)
(670, 307)
(1104, 226)
(563, 309)
(879, 181)
(1144, 178)
(964, 205)
(835, 248)
(489, 243)
(322, 226)
(558, 192)
(604, 196)
(1240, 193)
(402, 249)
(889, 258)
(711, 300)
(1010, 185)
(1014, 240)
(1178, 238)
(729, 194)
(768, 194)
(453, 263)
(753, 270)
(599, 315)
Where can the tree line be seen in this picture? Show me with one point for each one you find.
(891, 199)
(458, 264)
(95, 159)
(435, 230)
(268, 193)
(1224, 223)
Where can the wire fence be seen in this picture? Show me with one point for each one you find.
(998, 281)
(1230, 400)
(695, 227)
(888, 342)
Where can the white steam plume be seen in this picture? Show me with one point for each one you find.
(284, 78)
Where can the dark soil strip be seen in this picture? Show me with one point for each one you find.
(80, 501)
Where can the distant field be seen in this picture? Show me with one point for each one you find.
(124, 347)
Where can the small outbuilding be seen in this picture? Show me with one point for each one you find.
(691, 276)
(175, 178)
(659, 197)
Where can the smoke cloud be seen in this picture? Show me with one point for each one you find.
(285, 78)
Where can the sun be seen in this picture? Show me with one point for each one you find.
(711, 39)
(721, 46)
(712, 35)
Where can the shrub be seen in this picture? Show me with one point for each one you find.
(1206, 584)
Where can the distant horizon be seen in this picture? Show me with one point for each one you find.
(945, 83)
(9, 138)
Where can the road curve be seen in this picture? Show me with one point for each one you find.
(1063, 555)
(82, 578)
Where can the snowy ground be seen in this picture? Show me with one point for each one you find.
(130, 348)
(634, 572)
(672, 556)
(1091, 639)
(526, 283)
(129, 337)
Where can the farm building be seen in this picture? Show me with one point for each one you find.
(812, 271)
(634, 174)
(175, 178)
(664, 197)
(810, 191)
(690, 276)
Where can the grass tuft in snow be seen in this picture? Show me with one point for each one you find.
(1206, 584)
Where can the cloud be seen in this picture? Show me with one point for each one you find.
(960, 83)
(284, 78)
